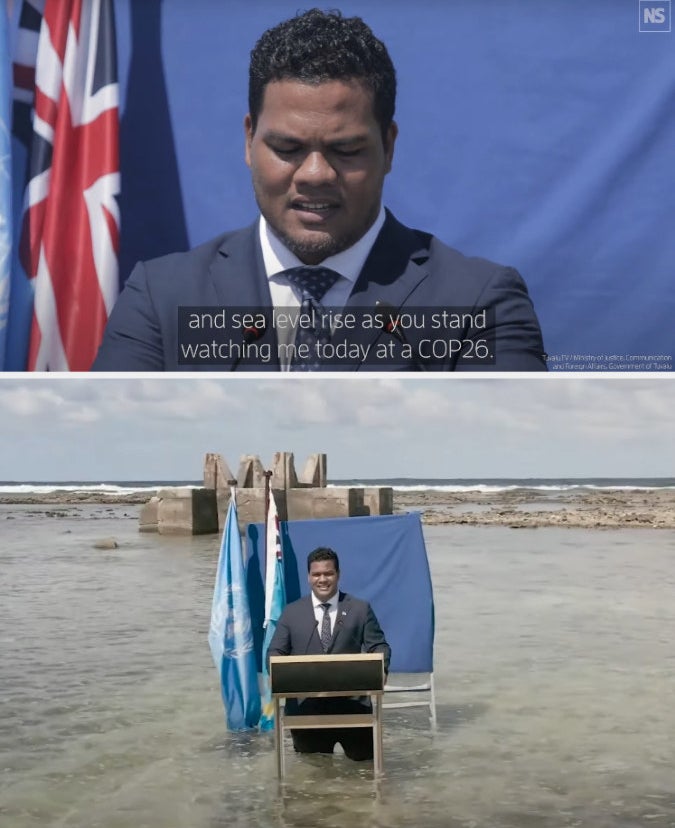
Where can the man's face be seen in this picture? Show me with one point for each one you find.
(318, 164)
(323, 579)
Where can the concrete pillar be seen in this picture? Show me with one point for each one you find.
(147, 521)
(314, 473)
(378, 500)
(216, 472)
(251, 474)
(308, 504)
(187, 511)
(199, 511)
(283, 471)
(250, 506)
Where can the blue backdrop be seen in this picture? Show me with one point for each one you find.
(383, 560)
(536, 133)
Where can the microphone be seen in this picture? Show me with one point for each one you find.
(250, 335)
(390, 326)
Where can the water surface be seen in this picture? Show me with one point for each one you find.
(555, 669)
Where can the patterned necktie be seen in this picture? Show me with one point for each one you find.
(313, 282)
(325, 628)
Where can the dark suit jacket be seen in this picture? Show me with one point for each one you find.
(406, 269)
(356, 630)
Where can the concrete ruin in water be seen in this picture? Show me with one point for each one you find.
(202, 510)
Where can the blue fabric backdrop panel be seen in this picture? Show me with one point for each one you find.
(382, 560)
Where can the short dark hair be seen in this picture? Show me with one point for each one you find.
(319, 46)
(323, 553)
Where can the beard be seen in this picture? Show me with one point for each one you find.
(315, 249)
(311, 246)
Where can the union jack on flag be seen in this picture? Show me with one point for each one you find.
(70, 229)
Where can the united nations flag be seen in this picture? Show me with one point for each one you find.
(230, 633)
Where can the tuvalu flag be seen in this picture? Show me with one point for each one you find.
(69, 241)
(275, 601)
(231, 634)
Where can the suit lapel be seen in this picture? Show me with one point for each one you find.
(238, 273)
(338, 628)
(314, 640)
(394, 267)
(392, 272)
(238, 278)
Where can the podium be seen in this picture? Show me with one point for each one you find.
(324, 676)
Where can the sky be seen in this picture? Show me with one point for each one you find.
(107, 429)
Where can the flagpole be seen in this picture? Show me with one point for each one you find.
(268, 478)
(275, 595)
(233, 496)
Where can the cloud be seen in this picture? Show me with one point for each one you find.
(400, 404)
(31, 400)
(556, 421)
(79, 401)
(347, 403)
(81, 415)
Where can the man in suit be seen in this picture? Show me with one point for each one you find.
(329, 621)
(319, 141)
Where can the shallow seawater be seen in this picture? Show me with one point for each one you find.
(555, 677)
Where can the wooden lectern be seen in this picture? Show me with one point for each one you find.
(321, 676)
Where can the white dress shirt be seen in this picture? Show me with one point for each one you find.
(277, 258)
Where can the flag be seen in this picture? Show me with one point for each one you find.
(275, 601)
(70, 228)
(230, 634)
(5, 183)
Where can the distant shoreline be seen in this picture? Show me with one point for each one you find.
(517, 508)
(522, 508)
(62, 497)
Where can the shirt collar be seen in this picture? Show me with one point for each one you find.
(333, 602)
(348, 263)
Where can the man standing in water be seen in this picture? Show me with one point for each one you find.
(329, 621)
